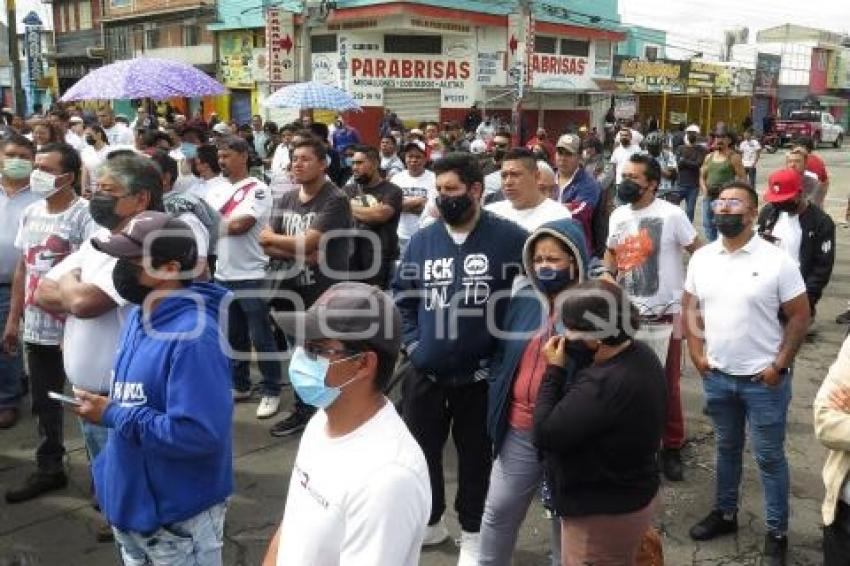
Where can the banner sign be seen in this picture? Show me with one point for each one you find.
(280, 42)
(662, 75)
(767, 73)
(32, 45)
(236, 53)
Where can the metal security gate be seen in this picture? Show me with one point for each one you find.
(413, 106)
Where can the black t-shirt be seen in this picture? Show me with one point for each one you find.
(384, 193)
(328, 210)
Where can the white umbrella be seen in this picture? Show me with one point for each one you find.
(312, 95)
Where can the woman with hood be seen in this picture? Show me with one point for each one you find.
(555, 259)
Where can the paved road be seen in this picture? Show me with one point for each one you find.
(58, 530)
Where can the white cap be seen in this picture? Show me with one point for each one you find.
(221, 128)
(478, 146)
(75, 120)
(692, 128)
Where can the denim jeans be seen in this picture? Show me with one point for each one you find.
(94, 437)
(249, 325)
(197, 541)
(689, 195)
(514, 480)
(751, 176)
(732, 402)
(708, 225)
(11, 366)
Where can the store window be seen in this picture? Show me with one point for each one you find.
(325, 43)
(602, 59)
(544, 44)
(85, 14)
(575, 47)
(191, 35)
(420, 44)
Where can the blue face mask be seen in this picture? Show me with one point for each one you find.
(308, 379)
(349, 161)
(553, 281)
(190, 150)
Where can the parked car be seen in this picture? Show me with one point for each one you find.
(817, 124)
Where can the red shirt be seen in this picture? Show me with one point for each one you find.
(529, 376)
(816, 165)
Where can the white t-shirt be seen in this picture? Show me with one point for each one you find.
(789, 234)
(621, 156)
(280, 160)
(425, 185)
(740, 295)
(749, 150)
(493, 183)
(119, 134)
(75, 141)
(202, 235)
(530, 218)
(241, 258)
(648, 244)
(210, 186)
(359, 500)
(90, 344)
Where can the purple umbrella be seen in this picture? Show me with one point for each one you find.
(143, 78)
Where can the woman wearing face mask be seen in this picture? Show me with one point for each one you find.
(93, 156)
(600, 428)
(555, 260)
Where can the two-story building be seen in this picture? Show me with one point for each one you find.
(168, 29)
(78, 40)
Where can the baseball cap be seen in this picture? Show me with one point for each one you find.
(348, 312)
(75, 120)
(414, 144)
(478, 146)
(155, 234)
(416, 132)
(570, 142)
(692, 128)
(221, 128)
(783, 185)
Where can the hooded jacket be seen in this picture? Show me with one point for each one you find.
(528, 314)
(169, 452)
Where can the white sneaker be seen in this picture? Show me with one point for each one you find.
(470, 546)
(435, 534)
(268, 407)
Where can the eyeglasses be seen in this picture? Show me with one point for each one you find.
(315, 351)
(727, 203)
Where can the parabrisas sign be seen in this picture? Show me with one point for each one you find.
(368, 67)
(557, 65)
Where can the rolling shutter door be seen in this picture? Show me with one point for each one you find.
(413, 106)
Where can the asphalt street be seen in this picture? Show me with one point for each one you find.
(59, 529)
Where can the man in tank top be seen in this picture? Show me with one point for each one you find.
(721, 166)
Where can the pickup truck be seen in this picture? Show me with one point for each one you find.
(818, 125)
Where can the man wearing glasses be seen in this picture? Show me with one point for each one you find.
(734, 289)
(359, 492)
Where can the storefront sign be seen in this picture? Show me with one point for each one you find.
(280, 42)
(767, 73)
(625, 106)
(709, 78)
(32, 44)
(743, 81)
(561, 72)
(662, 75)
(488, 67)
(839, 69)
(236, 52)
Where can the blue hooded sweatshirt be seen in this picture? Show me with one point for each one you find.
(169, 453)
(527, 315)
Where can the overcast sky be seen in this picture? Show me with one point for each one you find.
(693, 20)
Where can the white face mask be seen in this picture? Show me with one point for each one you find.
(43, 184)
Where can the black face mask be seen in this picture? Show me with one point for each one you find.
(90, 140)
(730, 225)
(628, 191)
(499, 154)
(692, 138)
(654, 150)
(102, 209)
(580, 353)
(454, 209)
(125, 277)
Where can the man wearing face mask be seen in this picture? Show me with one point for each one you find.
(623, 151)
(376, 206)
(646, 240)
(690, 157)
(720, 167)
(733, 291)
(50, 230)
(81, 287)
(356, 455)
(450, 273)
(18, 153)
(805, 231)
(169, 410)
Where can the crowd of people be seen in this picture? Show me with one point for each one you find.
(532, 300)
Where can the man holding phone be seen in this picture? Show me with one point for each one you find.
(170, 406)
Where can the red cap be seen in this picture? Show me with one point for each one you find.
(783, 185)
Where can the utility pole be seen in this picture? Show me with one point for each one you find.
(15, 57)
(520, 72)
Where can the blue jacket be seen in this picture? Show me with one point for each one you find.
(169, 454)
(527, 315)
(445, 290)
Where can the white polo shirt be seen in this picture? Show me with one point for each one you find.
(740, 294)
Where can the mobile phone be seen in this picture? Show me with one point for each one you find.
(64, 399)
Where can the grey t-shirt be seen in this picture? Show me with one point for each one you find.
(11, 209)
(46, 239)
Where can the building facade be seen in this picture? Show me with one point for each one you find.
(79, 48)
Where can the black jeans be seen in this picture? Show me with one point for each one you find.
(431, 411)
(47, 373)
(836, 538)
